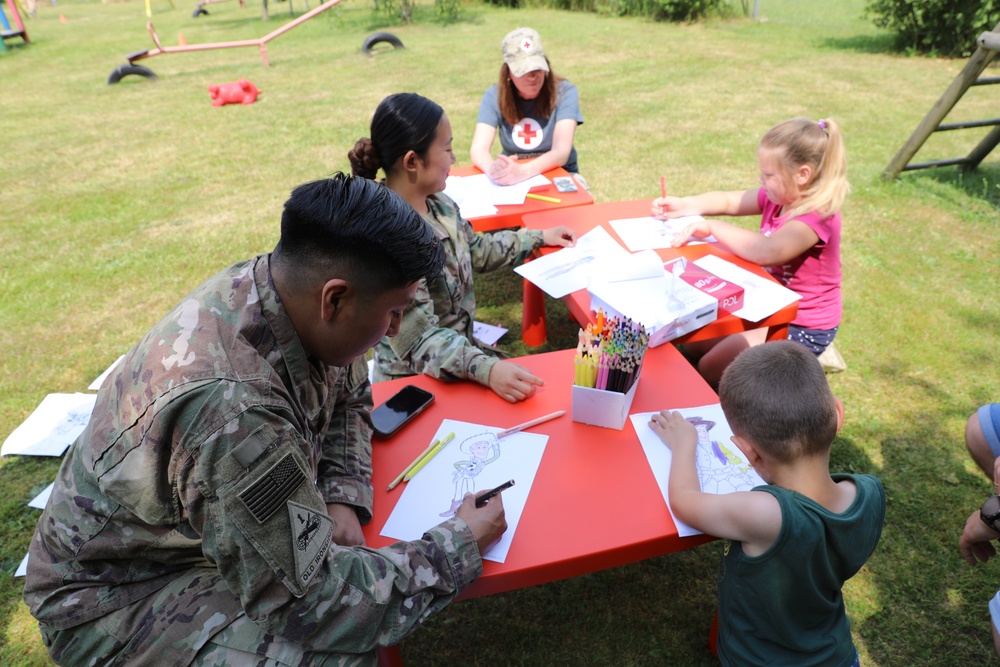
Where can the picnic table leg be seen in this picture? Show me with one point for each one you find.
(533, 331)
(777, 332)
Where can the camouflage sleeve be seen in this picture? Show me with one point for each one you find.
(437, 351)
(264, 524)
(492, 251)
(345, 467)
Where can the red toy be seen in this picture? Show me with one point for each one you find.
(234, 92)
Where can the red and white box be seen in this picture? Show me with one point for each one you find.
(728, 293)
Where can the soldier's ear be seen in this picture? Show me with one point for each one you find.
(332, 296)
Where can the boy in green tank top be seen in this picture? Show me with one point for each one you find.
(791, 544)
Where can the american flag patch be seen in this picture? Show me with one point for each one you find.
(272, 490)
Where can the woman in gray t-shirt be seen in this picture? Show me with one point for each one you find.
(535, 112)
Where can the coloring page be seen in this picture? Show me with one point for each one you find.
(475, 460)
(57, 421)
(722, 467)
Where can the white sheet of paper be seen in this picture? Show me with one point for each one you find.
(488, 333)
(42, 499)
(571, 269)
(650, 233)
(722, 467)
(52, 427)
(22, 569)
(761, 297)
(473, 461)
(645, 264)
(96, 384)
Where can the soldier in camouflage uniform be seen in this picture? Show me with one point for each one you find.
(183, 528)
(411, 142)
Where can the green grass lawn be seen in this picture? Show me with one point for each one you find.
(118, 200)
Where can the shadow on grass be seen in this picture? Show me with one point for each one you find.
(881, 43)
(930, 607)
(638, 614)
(982, 183)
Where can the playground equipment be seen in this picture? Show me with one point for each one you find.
(200, 10)
(131, 68)
(6, 32)
(985, 53)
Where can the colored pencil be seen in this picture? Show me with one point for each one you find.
(529, 424)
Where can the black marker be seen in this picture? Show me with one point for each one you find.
(485, 498)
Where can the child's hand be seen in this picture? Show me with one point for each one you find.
(559, 236)
(665, 208)
(674, 430)
(976, 543)
(699, 230)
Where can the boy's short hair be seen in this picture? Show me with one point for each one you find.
(359, 230)
(777, 396)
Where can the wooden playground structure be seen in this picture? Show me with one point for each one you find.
(988, 45)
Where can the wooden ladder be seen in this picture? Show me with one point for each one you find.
(986, 51)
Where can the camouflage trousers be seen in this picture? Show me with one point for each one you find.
(184, 623)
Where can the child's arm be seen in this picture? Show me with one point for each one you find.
(784, 244)
(732, 202)
(753, 518)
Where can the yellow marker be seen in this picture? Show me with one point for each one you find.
(551, 200)
(413, 464)
(431, 454)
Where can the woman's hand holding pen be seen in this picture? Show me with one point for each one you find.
(487, 523)
(559, 236)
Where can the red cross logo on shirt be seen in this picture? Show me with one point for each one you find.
(527, 134)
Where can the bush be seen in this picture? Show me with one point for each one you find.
(937, 27)
(660, 10)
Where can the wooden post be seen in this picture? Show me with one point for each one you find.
(977, 63)
(982, 149)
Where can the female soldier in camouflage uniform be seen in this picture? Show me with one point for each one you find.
(411, 142)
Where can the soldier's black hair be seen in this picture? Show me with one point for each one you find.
(359, 229)
(402, 122)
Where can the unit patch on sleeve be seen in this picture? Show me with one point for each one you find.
(275, 487)
(311, 533)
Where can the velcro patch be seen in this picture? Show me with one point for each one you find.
(312, 532)
(271, 491)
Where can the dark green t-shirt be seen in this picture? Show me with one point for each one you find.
(785, 606)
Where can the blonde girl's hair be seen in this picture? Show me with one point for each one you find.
(820, 145)
(507, 95)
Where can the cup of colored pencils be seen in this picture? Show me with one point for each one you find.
(609, 354)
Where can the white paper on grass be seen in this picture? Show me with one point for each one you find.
(571, 269)
(96, 384)
(42, 499)
(22, 569)
(762, 296)
(651, 233)
(721, 466)
(473, 461)
(488, 333)
(52, 427)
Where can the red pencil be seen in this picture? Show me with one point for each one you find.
(663, 186)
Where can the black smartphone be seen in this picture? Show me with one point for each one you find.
(401, 407)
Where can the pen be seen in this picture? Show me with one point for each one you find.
(551, 200)
(485, 498)
(400, 476)
(529, 424)
(431, 454)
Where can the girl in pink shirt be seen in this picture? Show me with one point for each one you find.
(803, 177)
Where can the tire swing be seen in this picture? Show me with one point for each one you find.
(380, 38)
(124, 70)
